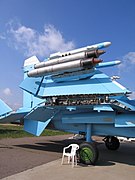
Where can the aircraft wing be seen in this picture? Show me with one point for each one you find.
(12, 117)
(8, 115)
(35, 119)
(89, 85)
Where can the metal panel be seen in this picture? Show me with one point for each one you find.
(35, 127)
(125, 120)
(12, 117)
(97, 84)
(41, 114)
(94, 118)
(128, 103)
(102, 107)
(31, 85)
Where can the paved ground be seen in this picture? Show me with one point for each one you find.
(55, 171)
(20, 154)
(41, 158)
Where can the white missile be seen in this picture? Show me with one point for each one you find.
(63, 67)
(81, 55)
(83, 49)
(107, 64)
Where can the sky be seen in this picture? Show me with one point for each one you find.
(41, 27)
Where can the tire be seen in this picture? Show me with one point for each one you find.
(112, 143)
(88, 153)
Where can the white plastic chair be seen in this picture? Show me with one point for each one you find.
(71, 155)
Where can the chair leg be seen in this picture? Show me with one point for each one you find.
(76, 160)
(73, 161)
(62, 160)
(69, 159)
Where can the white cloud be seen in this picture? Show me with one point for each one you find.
(132, 96)
(7, 92)
(31, 42)
(130, 57)
(128, 62)
(2, 37)
(11, 99)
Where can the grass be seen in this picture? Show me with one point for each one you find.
(16, 131)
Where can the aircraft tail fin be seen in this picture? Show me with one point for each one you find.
(29, 101)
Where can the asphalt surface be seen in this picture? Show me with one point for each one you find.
(20, 154)
(40, 157)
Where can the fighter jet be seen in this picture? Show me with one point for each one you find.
(70, 91)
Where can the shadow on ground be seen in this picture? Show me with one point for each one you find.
(124, 155)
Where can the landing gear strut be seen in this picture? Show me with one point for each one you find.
(111, 142)
(88, 152)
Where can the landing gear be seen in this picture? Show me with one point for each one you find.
(88, 153)
(111, 142)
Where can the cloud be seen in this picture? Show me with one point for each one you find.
(7, 92)
(128, 62)
(10, 98)
(2, 37)
(132, 96)
(32, 42)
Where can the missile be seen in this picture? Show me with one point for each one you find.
(107, 64)
(64, 67)
(81, 55)
(83, 49)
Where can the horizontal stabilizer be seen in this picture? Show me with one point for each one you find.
(4, 108)
(12, 117)
(35, 127)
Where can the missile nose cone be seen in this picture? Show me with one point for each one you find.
(106, 44)
(96, 61)
(100, 52)
(103, 45)
(117, 62)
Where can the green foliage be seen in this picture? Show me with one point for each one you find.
(16, 131)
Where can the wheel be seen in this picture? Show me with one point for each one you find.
(112, 143)
(88, 153)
